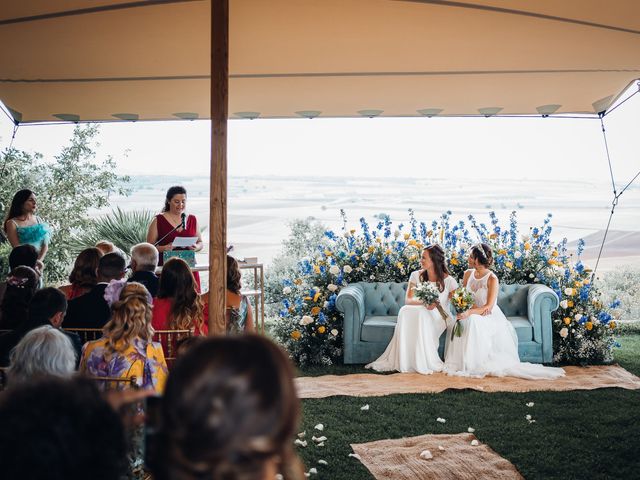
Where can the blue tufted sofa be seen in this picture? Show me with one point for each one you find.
(371, 310)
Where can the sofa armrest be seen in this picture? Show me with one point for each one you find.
(350, 302)
(541, 303)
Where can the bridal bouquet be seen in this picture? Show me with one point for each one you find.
(462, 301)
(429, 294)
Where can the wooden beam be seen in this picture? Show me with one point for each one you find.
(218, 187)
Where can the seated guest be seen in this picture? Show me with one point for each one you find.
(47, 307)
(239, 313)
(22, 284)
(144, 258)
(178, 305)
(229, 411)
(84, 275)
(23, 255)
(44, 351)
(91, 309)
(106, 247)
(56, 429)
(126, 349)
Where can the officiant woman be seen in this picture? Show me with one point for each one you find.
(175, 205)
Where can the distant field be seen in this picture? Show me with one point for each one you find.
(259, 208)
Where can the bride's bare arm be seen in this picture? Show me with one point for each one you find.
(408, 299)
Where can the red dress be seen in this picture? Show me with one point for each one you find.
(163, 226)
(160, 321)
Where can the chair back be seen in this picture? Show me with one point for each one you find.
(114, 383)
(86, 334)
(169, 340)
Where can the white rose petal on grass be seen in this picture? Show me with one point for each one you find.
(320, 444)
(354, 455)
(475, 443)
(334, 270)
(319, 439)
(426, 454)
(323, 462)
(530, 404)
(347, 269)
(441, 420)
(300, 443)
(365, 407)
(441, 448)
(302, 434)
(313, 471)
(528, 417)
(471, 429)
(319, 427)
(331, 287)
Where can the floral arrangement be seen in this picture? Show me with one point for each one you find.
(428, 293)
(310, 327)
(462, 300)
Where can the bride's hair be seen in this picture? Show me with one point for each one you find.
(482, 254)
(436, 254)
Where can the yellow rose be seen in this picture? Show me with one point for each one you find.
(371, 249)
(577, 284)
(292, 309)
(554, 253)
(527, 246)
(298, 281)
(586, 281)
(502, 251)
(328, 253)
(429, 233)
(387, 251)
(508, 264)
(406, 236)
(454, 261)
(413, 257)
(316, 269)
(411, 242)
(296, 335)
(588, 325)
(315, 310)
(316, 296)
(353, 230)
(493, 236)
(378, 240)
(321, 329)
(612, 324)
(399, 265)
(570, 303)
(567, 320)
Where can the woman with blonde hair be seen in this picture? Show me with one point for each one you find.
(178, 305)
(126, 348)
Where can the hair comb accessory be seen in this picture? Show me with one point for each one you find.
(18, 282)
(113, 290)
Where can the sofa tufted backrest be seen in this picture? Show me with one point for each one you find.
(383, 298)
(512, 299)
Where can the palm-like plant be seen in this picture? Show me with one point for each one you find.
(124, 229)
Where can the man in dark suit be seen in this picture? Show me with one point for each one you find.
(47, 307)
(144, 260)
(91, 309)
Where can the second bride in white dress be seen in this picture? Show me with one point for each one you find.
(414, 346)
(488, 344)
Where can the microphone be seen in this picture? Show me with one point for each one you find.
(183, 224)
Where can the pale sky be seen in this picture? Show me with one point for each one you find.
(379, 147)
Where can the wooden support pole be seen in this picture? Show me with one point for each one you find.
(218, 188)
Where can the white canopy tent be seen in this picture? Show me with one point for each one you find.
(120, 60)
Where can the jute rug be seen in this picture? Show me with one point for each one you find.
(374, 385)
(458, 459)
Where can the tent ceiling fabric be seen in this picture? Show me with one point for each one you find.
(119, 59)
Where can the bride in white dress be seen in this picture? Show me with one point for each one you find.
(414, 346)
(488, 344)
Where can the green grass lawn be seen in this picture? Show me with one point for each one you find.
(580, 434)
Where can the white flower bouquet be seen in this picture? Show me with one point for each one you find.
(428, 293)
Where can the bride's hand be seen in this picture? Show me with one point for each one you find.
(463, 315)
(431, 307)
